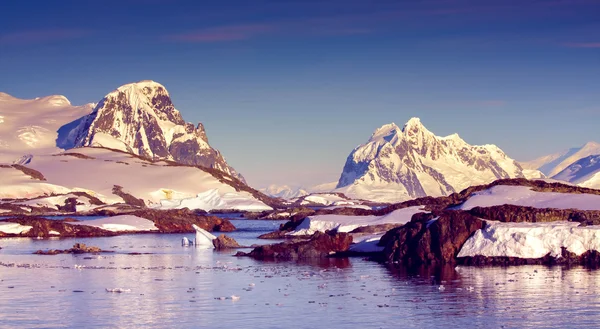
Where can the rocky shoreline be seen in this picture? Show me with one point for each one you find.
(434, 235)
(165, 221)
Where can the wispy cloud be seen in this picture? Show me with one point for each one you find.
(583, 44)
(41, 36)
(326, 26)
(223, 33)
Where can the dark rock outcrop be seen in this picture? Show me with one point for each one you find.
(181, 220)
(320, 245)
(590, 258)
(34, 174)
(517, 214)
(128, 198)
(167, 221)
(428, 241)
(41, 228)
(78, 248)
(225, 242)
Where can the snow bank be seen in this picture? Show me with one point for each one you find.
(356, 206)
(341, 223)
(97, 171)
(367, 244)
(531, 240)
(214, 199)
(326, 200)
(120, 223)
(14, 228)
(83, 203)
(524, 196)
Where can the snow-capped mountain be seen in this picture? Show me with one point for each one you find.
(584, 172)
(553, 164)
(140, 118)
(284, 191)
(29, 126)
(398, 164)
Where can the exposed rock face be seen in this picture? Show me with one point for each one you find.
(590, 258)
(517, 214)
(128, 198)
(167, 221)
(181, 220)
(413, 163)
(43, 227)
(140, 118)
(320, 245)
(428, 241)
(225, 242)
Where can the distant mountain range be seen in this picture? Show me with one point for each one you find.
(284, 191)
(139, 119)
(577, 165)
(553, 164)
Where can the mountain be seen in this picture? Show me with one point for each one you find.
(553, 164)
(284, 191)
(140, 118)
(30, 126)
(398, 164)
(132, 147)
(584, 172)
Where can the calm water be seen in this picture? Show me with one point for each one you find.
(178, 286)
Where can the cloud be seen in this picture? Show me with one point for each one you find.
(41, 36)
(583, 44)
(223, 33)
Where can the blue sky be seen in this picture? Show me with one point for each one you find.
(286, 89)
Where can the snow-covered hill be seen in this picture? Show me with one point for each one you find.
(140, 118)
(284, 191)
(584, 172)
(398, 164)
(112, 176)
(32, 126)
(553, 164)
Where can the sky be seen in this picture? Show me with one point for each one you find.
(286, 89)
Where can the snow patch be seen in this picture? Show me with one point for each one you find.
(214, 199)
(120, 223)
(340, 223)
(14, 228)
(525, 196)
(531, 240)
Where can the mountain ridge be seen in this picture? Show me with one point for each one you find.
(398, 164)
(141, 119)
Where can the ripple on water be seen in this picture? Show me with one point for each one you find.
(178, 286)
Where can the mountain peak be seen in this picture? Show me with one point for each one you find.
(55, 100)
(591, 144)
(148, 88)
(413, 122)
(385, 132)
(416, 163)
(140, 118)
